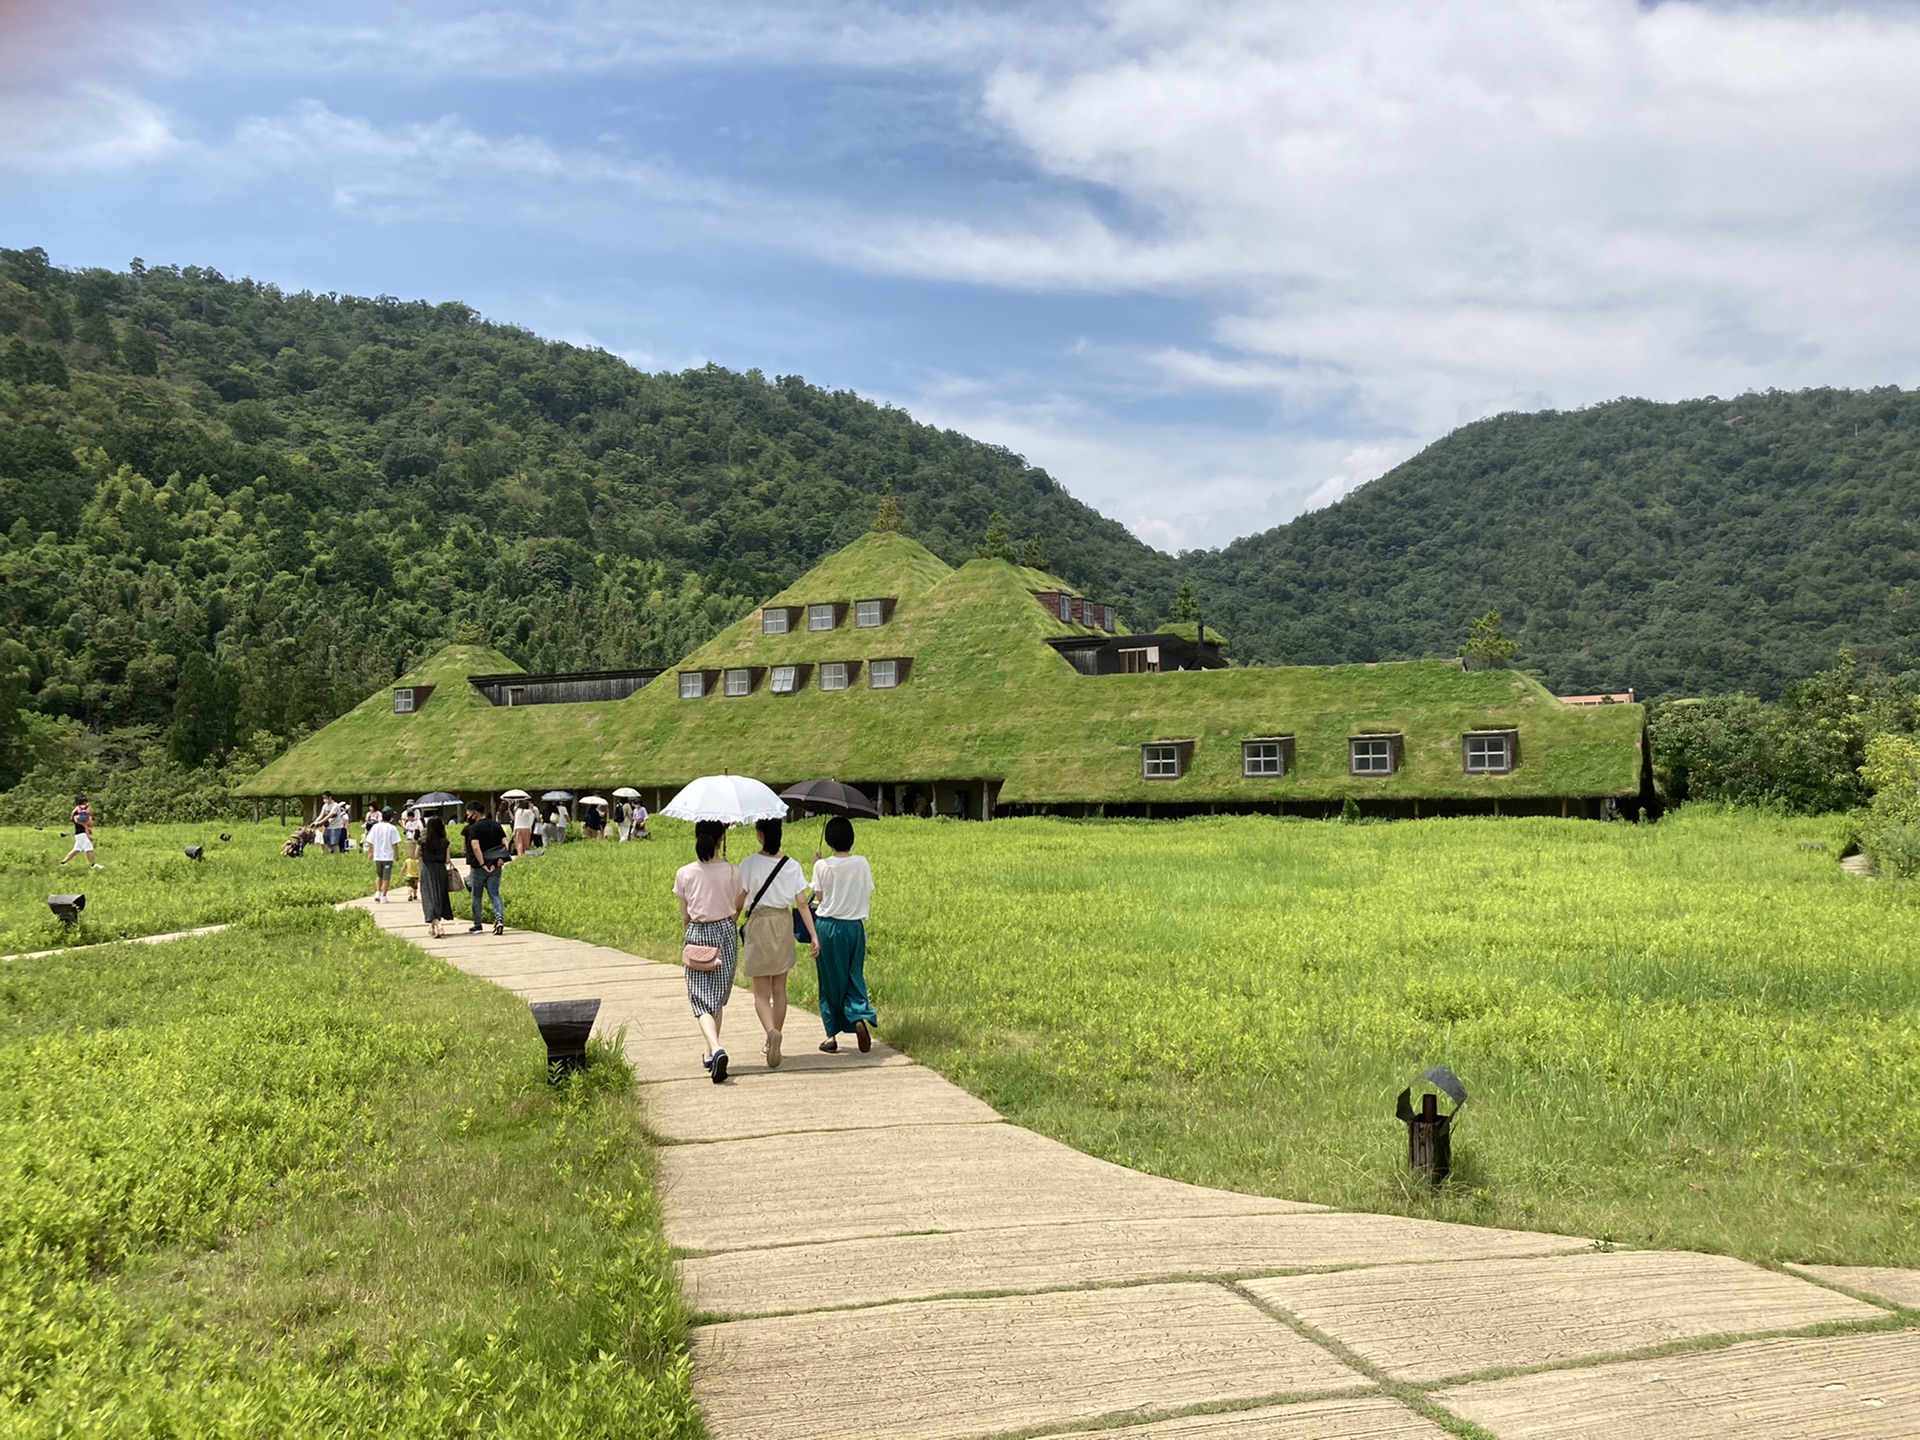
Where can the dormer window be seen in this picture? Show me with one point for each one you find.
(784, 679)
(871, 614)
(1373, 754)
(1489, 752)
(883, 674)
(739, 682)
(409, 698)
(823, 617)
(833, 675)
(1267, 758)
(1165, 759)
(693, 684)
(1066, 609)
(776, 620)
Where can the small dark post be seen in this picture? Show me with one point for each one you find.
(66, 908)
(1429, 1133)
(565, 1026)
(194, 852)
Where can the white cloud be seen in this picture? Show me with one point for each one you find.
(82, 127)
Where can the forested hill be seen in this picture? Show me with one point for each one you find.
(1678, 548)
(314, 490)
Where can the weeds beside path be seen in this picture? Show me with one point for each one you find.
(298, 1178)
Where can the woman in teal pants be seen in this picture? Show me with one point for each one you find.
(842, 894)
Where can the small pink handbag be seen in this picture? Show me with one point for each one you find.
(700, 957)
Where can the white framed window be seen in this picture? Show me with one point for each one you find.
(403, 702)
(1370, 755)
(784, 679)
(883, 674)
(820, 617)
(739, 682)
(1265, 758)
(869, 614)
(833, 675)
(1489, 754)
(693, 685)
(1066, 608)
(776, 621)
(1160, 762)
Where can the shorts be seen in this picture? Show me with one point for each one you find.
(383, 870)
(83, 841)
(334, 839)
(413, 866)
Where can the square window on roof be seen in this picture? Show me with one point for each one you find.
(739, 682)
(1160, 762)
(1263, 758)
(1489, 754)
(821, 617)
(869, 614)
(775, 621)
(784, 680)
(883, 674)
(1371, 755)
(833, 675)
(693, 685)
(403, 702)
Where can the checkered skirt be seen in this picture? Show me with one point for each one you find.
(709, 990)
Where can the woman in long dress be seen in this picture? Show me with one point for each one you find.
(773, 885)
(709, 894)
(434, 903)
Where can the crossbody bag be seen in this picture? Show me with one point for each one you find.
(765, 884)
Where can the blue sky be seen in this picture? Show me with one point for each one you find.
(1210, 262)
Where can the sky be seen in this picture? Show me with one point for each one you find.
(1210, 263)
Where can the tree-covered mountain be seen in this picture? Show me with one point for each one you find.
(230, 512)
(312, 491)
(1680, 549)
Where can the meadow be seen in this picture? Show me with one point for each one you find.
(299, 1178)
(150, 887)
(1698, 1033)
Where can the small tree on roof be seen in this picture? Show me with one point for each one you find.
(1186, 604)
(886, 515)
(997, 546)
(1033, 555)
(1487, 644)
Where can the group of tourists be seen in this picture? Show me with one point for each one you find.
(484, 848)
(767, 905)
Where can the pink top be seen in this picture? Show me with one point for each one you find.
(711, 889)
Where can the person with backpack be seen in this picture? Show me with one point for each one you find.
(774, 885)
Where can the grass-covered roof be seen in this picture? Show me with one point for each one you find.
(986, 699)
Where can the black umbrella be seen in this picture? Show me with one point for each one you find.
(558, 795)
(831, 796)
(437, 800)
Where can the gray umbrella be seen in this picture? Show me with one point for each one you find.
(830, 796)
(558, 795)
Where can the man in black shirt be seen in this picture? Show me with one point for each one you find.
(485, 845)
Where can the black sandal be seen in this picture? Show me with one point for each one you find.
(830, 1046)
(863, 1035)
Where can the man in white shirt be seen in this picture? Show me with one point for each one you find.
(383, 843)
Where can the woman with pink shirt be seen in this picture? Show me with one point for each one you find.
(710, 898)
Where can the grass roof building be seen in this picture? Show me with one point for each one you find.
(987, 689)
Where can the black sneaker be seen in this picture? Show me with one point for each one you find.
(719, 1066)
(499, 928)
(475, 929)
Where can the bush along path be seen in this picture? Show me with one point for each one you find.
(871, 1249)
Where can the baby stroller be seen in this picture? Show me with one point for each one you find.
(298, 842)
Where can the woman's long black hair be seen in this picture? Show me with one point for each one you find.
(707, 835)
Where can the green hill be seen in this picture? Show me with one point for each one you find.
(317, 492)
(1680, 549)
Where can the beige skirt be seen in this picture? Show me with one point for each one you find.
(770, 949)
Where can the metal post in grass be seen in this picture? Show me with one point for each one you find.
(194, 852)
(1429, 1133)
(565, 1026)
(66, 908)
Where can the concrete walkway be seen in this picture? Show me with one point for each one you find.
(873, 1252)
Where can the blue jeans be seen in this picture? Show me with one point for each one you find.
(481, 882)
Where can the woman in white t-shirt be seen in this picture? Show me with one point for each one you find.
(842, 895)
(773, 885)
(524, 816)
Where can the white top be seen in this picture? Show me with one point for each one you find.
(842, 887)
(383, 839)
(786, 887)
(524, 815)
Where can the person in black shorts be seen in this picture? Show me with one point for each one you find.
(484, 842)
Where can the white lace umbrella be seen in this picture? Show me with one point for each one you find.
(626, 792)
(733, 799)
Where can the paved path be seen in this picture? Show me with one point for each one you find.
(129, 940)
(873, 1252)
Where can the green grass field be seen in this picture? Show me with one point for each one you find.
(150, 887)
(1697, 1033)
(300, 1179)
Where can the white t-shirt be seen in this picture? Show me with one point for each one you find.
(524, 816)
(785, 889)
(842, 887)
(382, 839)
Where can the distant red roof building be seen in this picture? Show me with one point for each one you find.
(1624, 697)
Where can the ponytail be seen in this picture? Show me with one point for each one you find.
(707, 835)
